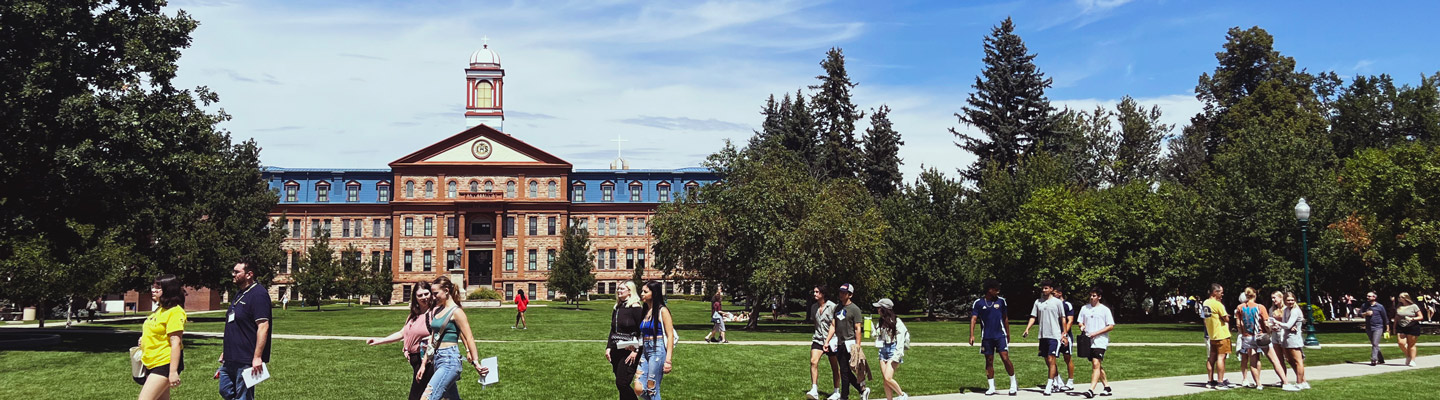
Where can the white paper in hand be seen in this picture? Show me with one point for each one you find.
(493, 375)
(252, 379)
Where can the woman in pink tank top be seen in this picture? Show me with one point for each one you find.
(414, 334)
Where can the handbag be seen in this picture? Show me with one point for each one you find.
(1262, 340)
(137, 368)
(622, 341)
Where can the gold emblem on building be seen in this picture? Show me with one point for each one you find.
(481, 149)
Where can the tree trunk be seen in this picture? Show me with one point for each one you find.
(40, 313)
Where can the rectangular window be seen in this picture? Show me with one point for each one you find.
(452, 227)
(664, 193)
(384, 193)
(377, 230)
(640, 258)
(409, 260)
(669, 287)
(352, 193)
(289, 261)
(614, 227)
(612, 287)
(509, 288)
(599, 287)
(375, 255)
(549, 258)
(533, 225)
(582, 224)
(600, 259)
(322, 194)
(292, 193)
(629, 258)
(579, 194)
(509, 226)
(509, 260)
(450, 262)
(634, 193)
(295, 228)
(359, 228)
(429, 260)
(344, 228)
(607, 193)
(409, 226)
(550, 293)
(530, 292)
(387, 260)
(314, 228)
(613, 258)
(429, 226)
(532, 260)
(630, 226)
(389, 228)
(326, 228)
(602, 231)
(640, 226)
(551, 223)
(404, 292)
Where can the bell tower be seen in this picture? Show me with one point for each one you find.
(484, 89)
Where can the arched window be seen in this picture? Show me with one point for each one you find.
(410, 189)
(451, 189)
(484, 94)
(489, 186)
(510, 189)
(429, 189)
(553, 189)
(474, 186)
(534, 189)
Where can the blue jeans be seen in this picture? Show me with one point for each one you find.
(652, 367)
(447, 371)
(232, 383)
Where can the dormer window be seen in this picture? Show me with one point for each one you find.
(607, 192)
(510, 189)
(691, 187)
(577, 192)
(352, 192)
(534, 189)
(322, 192)
(635, 188)
(292, 192)
(552, 190)
(664, 190)
(383, 188)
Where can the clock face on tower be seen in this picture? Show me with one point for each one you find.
(481, 149)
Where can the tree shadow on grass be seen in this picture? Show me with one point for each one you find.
(94, 340)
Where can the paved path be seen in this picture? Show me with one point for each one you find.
(1182, 385)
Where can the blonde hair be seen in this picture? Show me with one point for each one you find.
(443, 282)
(1282, 296)
(1250, 294)
(1406, 296)
(633, 300)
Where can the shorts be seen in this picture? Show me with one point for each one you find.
(719, 326)
(988, 346)
(1221, 347)
(1065, 347)
(889, 352)
(1049, 347)
(1248, 345)
(1095, 354)
(1412, 330)
(163, 371)
(1294, 340)
(821, 347)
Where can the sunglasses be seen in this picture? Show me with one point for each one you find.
(422, 295)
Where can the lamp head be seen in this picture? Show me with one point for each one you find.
(1302, 210)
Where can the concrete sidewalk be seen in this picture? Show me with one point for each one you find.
(1182, 385)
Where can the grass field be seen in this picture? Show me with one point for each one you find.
(91, 364)
(1413, 384)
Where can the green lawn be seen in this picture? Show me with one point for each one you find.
(561, 322)
(1412, 384)
(342, 369)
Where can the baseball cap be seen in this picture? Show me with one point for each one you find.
(884, 303)
(847, 288)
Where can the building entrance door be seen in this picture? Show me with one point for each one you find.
(481, 264)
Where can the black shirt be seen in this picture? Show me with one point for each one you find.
(625, 321)
(242, 323)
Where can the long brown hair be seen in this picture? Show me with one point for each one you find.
(442, 282)
(887, 319)
(416, 308)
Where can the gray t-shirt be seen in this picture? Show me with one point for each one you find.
(1047, 313)
(845, 320)
(824, 316)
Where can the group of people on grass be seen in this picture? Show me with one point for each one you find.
(246, 344)
(1273, 333)
(433, 335)
(642, 339)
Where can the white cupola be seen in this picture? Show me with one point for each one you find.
(484, 88)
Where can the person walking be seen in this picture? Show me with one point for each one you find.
(1047, 311)
(1096, 322)
(821, 344)
(449, 328)
(162, 350)
(848, 351)
(415, 333)
(1217, 333)
(1067, 319)
(891, 340)
(1377, 326)
(717, 321)
(247, 334)
(622, 349)
(992, 313)
(522, 302)
(1293, 341)
(1407, 327)
(657, 330)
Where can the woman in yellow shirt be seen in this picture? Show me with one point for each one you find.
(160, 343)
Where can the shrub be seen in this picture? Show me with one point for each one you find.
(1316, 315)
(484, 294)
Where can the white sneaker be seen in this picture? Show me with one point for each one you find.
(1012, 391)
(1259, 386)
(834, 396)
(1290, 387)
(904, 396)
(812, 394)
(1047, 390)
(865, 395)
(1304, 385)
(990, 392)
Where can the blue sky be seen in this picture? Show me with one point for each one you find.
(362, 83)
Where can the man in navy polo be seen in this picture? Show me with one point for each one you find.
(247, 335)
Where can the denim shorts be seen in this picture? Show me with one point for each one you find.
(890, 352)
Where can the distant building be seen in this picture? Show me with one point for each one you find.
(481, 206)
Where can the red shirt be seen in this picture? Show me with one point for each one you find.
(715, 307)
(521, 302)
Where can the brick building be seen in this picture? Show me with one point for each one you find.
(481, 206)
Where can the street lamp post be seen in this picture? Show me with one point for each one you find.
(1302, 213)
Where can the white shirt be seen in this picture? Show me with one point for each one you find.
(1095, 318)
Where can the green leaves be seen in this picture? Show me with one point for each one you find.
(571, 273)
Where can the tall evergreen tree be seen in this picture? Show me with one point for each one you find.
(317, 274)
(571, 274)
(835, 119)
(880, 168)
(1137, 153)
(1008, 106)
(801, 137)
(1187, 156)
(770, 130)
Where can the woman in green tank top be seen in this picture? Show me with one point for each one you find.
(448, 329)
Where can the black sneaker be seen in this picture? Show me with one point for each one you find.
(1210, 385)
(1107, 392)
(1089, 394)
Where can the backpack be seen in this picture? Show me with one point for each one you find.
(1203, 310)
